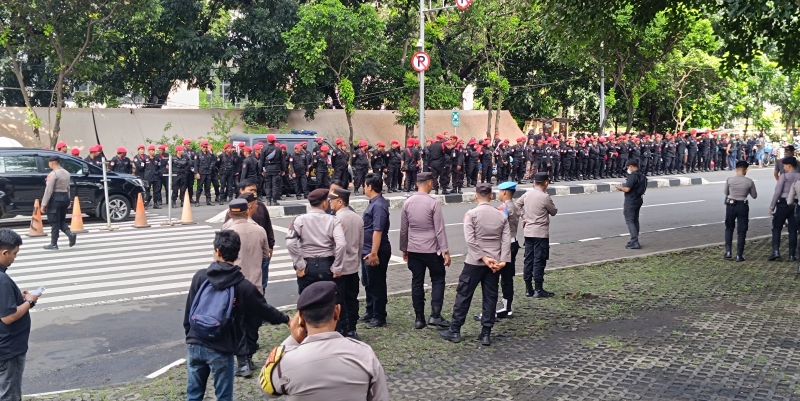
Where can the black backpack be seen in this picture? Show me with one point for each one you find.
(642, 188)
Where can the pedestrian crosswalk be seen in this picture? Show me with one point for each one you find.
(125, 264)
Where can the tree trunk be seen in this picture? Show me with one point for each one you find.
(746, 124)
(350, 126)
(489, 120)
(790, 122)
(497, 116)
(54, 133)
(17, 68)
(630, 117)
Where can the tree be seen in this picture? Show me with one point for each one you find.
(330, 44)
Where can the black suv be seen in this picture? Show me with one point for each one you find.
(23, 172)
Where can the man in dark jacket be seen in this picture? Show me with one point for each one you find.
(216, 356)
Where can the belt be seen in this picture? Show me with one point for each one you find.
(782, 201)
(321, 259)
(735, 202)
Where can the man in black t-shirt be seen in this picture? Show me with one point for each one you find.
(15, 320)
(634, 188)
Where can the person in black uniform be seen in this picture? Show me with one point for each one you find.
(634, 188)
(121, 163)
(250, 170)
(393, 158)
(645, 160)
(680, 155)
(227, 162)
(600, 170)
(340, 159)
(152, 177)
(360, 165)
(623, 148)
(298, 169)
(190, 153)
(287, 184)
(691, 147)
(472, 159)
(410, 166)
(737, 211)
(435, 161)
(181, 167)
(320, 165)
(669, 152)
(378, 159)
(215, 174)
(594, 158)
(448, 165)
(458, 157)
(568, 160)
(486, 162)
(203, 162)
(138, 167)
(272, 164)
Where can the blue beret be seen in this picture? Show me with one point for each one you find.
(507, 185)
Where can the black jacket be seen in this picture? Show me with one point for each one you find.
(250, 306)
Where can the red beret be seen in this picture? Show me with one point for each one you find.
(151, 147)
(472, 142)
(439, 136)
(283, 146)
(486, 142)
(416, 141)
(447, 142)
(179, 148)
(362, 143)
(187, 141)
(603, 140)
(319, 140)
(140, 147)
(162, 147)
(298, 146)
(258, 146)
(241, 144)
(324, 148)
(248, 149)
(76, 151)
(379, 144)
(61, 145)
(304, 143)
(227, 146)
(204, 143)
(394, 142)
(121, 150)
(270, 138)
(541, 141)
(339, 141)
(410, 142)
(99, 148)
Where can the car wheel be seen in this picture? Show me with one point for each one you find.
(119, 208)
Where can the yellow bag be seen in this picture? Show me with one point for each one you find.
(265, 377)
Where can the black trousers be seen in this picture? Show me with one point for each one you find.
(690, 162)
(57, 215)
(341, 175)
(784, 214)
(644, 164)
(323, 181)
(737, 216)
(631, 212)
(227, 184)
(393, 178)
(519, 170)
(317, 269)
(458, 176)
(347, 297)
(537, 251)
(361, 173)
(434, 263)
(445, 178)
(468, 281)
(507, 273)
(251, 326)
(179, 187)
(410, 180)
(669, 164)
(301, 185)
(374, 280)
(215, 183)
(273, 185)
(155, 186)
(590, 169)
(569, 167)
(203, 184)
(189, 182)
(472, 174)
(436, 173)
(486, 172)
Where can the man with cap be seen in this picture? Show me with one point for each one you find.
(272, 163)
(298, 170)
(378, 159)
(315, 362)
(360, 165)
(487, 155)
(318, 144)
(410, 166)
(536, 207)
(152, 178)
(320, 163)
(347, 279)
(488, 237)
(787, 151)
(518, 153)
(190, 153)
(215, 174)
(139, 163)
(737, 210)
(121, 163)
(215, 354)
(203, 163)
(226, 161)
(393, 157)
(257, 212)
(55, 202)
(76, 152)
(163, 172)
(316, 242)
(782, 211)
(181, 169)
(94, 156)
(423, 241)
(62, 147)
(634, 187)
(436, 161)
(458, 157)
(471, 156)
(340, 159)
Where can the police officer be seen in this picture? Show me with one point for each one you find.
(458, 157)
(138, 166)
(152, 177)
(378, 159)
(488, 238)
(320, 165)
(309, 363)
(181, 168)
(316, 243)
(780, 210)
(203, 162)
(340, 159)
(121, 163)
(410, 166)
(486, 162)
(360, 165)
(393, 158)
(298, 168)
(272, 163)
(472, 161)
(536, 207)
(634, 188)
(55, 202)
(190, 153)
(226, 161)
(737, 211)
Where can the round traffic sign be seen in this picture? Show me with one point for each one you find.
(420, 61)
(463, 4)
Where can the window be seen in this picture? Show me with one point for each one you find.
(18, 164)
(74, 167)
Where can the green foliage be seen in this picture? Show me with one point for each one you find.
(347, 95)
(220, 133)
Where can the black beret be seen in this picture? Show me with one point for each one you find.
(317, 295)
(422, 177)
(339, 193)
(237, 205)
(483, 188)
(541, 177)
(318, 195)
(248, 196)
(54, 158)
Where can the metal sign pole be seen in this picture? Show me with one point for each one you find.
(105, 191)
(169, 194)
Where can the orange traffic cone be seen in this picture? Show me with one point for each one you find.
(36, 230)
(141, 218)
(76, 225)
(186, 215)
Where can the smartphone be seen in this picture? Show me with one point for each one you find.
(38, 291)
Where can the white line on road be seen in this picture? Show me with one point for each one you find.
(165, 369)
(589, 239)
(52, 393)
(619, 208)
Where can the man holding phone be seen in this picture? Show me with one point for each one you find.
(15, 321)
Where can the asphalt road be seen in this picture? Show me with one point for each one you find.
(79, 347)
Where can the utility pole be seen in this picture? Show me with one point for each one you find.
(602, 99)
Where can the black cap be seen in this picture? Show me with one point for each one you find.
(790, 160)
(248, 196)
(541, 177)
(483, 188)
(318, 195)
(317, 295)
(237, 205)
(422, 177)
(633, 162)
(339, 193)
(790, 148)
(54, 158)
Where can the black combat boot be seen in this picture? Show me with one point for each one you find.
(208, 202)
(436, 320)
(72, 238)
(528, 289)
(776, 254)
(792, 258)
(419, 322)
(539, 292)
(51, 247)
(728, 252)
(485, 337)
(243, 367)
(452, 334)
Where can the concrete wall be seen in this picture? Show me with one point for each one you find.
(130, 127)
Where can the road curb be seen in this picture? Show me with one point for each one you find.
(396, 202)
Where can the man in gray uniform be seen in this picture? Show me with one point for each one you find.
(55, 203)
(781, 212)
(347, 280)
(488, 239)
(316, 363)
(737, 211)
(316, 242)
(536, 207)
